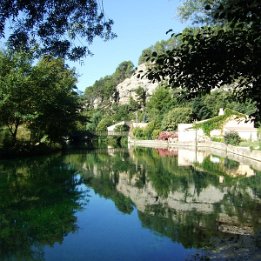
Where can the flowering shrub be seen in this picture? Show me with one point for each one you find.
(165, 135)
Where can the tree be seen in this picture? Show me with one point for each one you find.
(174, 117)
(55, 99)
(199, 110)
(54, 27)
(123, 71)
(227, 52)
(141, 96)
(40, 97)
(15, 94)
(159, 47)
(105, 87)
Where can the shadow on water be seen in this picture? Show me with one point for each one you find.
(39, 198)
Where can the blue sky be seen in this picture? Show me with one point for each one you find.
(138, 24)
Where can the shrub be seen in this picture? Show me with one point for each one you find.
(232, 138)
(138, 133)
(174, 117)
(122, 128)
(155, 134)
(217, 139)
(165, 135)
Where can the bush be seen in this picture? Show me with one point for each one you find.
(138, 133)
(232, 138)
(165, 135)
(122, 128)
(174, 117)
(217, 139)
(155, 134)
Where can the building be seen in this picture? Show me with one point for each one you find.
(231, 122)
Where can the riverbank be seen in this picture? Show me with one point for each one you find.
(27, 150)
(222, 148)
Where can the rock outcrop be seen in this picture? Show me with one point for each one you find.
(128, 87)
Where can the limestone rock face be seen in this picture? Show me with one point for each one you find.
(128, 87)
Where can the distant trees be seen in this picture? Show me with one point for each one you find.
(105, 88)
(41, 97)
(159, 47)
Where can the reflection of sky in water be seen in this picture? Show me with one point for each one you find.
(107, 234)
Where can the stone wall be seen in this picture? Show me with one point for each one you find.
(243, 152)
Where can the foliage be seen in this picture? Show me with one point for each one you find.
(232, 138)
(159, 47)
(103, 124)
(227, 52)
(55, 99)
(155, 134)
(217, 122)
(123, 71)
(16, 98)
(199, 110)
(54, 26)
(41, 97)
(161, 101)
(165, 135)
(105, 87)
(94, 118)
(195, 10)
(217, 139)
(138, 133)
(122, 128)
(174, 117)
(141, 96)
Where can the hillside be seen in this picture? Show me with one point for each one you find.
(123, 96)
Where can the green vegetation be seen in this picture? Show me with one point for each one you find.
(218, 122)
(39, 198)
(232, 138)
(200, 70)
(51, 27)
(174, 117)
(38, 103)
(223, 51)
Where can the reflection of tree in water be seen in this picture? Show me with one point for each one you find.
(192, 228)
(167, 176)
(228, 218)
(101, 172)
(37, 204)
(234, 222)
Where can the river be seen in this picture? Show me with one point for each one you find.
(129, 204)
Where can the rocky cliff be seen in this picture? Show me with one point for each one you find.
(128, 87)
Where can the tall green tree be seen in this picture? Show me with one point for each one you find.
(42, 98)
(15, 94)
(56, 99)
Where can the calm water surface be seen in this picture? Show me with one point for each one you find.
(137, 204)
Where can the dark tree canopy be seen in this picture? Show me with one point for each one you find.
(55, 27)
(226, 52)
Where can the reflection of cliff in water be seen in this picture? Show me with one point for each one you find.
(199, 206)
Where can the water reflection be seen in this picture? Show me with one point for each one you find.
(38, 201)
(199, 199)
(202, 201)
